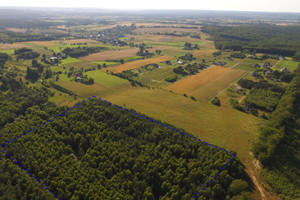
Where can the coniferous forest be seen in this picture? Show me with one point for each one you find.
(99, 151)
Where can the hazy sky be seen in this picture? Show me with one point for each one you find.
(243, 5)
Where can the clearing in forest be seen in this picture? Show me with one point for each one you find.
(137, 64)
(207, 83)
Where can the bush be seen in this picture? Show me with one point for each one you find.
(237, 187)
(194, 98)
(216, 101)
(236, 105)
(171, 79)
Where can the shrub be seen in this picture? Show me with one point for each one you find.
(216, 101)
(236, 105)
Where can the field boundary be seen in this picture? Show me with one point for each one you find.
(136, 114)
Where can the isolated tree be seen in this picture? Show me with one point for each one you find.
(216, 101)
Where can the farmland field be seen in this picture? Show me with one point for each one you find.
(207, 83)
(13, 46)
(69, 60)
(161, 38)
(106, 79)
(138, 63)
(289, 64)
(164, 30)
(110, 55)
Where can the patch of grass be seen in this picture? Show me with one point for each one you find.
(105, 79)
(289, 64)
(108, 64)
(132, 58)
(69, 60)
(9, 51)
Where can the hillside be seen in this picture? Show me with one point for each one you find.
(97, 150)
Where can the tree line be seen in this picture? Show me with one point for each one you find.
(283, 40)
(279, 140)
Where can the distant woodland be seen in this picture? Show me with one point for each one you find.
(283, 40)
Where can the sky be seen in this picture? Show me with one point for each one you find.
(237, 5)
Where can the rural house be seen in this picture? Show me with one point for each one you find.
(284, 69)
(78, 75)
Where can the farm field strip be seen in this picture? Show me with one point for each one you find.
(118, 54)
(135, 114)
(164, 30)
(137, 64)
(111, 55)
(207, 83)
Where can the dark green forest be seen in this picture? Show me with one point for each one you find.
(279, 141)
(284, 40)
(99, 151)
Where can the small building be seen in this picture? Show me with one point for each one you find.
(239, 89)
(257, 65)
(254, 74)
(269, 71)
(78, 75)
(284, 69)
(267, 65)
(53, 58)
(179, 62)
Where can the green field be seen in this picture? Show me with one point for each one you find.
(69, 60)
(9, 51)
(105, 79)
(108, 64)
(289, 64)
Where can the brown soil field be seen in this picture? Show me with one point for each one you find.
(13, 46)
(137, 64)
(88, 41)
(52, 43)
(110, 55)
(207, 83)
(161, 38)
(162, 24)
(164, 30)
(17, 30)
(117, 54)
(203, 52)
